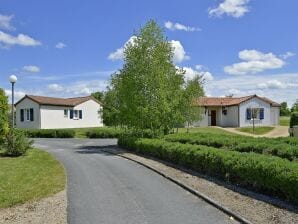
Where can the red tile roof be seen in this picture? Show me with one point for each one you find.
(43, 100)
(230, 101)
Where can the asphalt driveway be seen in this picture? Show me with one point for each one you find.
(107, 189)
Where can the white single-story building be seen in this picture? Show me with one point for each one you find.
(238, 111)
(40, 112)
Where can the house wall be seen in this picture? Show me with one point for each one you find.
(27, 104)
(53, 116)
(231, 118)
(275, 115)
(255, 103)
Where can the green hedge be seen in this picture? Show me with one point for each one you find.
(294, 119)
(266, 174)
(285, 148)
(50, 133)
(103, 133)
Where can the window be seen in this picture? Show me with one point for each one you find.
(255, 113)
(65, 113)
(27, 114)
(76, 114)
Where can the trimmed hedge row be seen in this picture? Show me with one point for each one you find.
(50, 133)
(239, 143)
(269, 175)
(104, 133)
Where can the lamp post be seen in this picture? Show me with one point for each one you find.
(12, 79)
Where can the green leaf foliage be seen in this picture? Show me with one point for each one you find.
(4, 109)
(294, 119)
(149, 92)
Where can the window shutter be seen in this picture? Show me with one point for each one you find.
(31, 114)
(71, 114)
(80, 114)
(261, 113)
(248, 113)
(22, 115)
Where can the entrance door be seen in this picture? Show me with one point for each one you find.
(213, 117)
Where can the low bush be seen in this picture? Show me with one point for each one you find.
(103, 133)
(50, 133)
(16, 143)
(284, 148)
(270, 175)
(294, 119)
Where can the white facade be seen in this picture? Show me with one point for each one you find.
(236, 115)
(58, 117)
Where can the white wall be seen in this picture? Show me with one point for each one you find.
(53, 116)
(255, 103)
(231, 118)
(27, 104)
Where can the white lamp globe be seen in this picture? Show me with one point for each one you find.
(13, 78)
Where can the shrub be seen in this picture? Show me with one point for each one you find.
(282, 147)
(3, 115)
(50, 133)
(270, 175)
(103, 133)
(294, 119)
(16, 143)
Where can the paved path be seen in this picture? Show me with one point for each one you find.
(104, 189)
(278, 131)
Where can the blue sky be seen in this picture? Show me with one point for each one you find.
(69, 48)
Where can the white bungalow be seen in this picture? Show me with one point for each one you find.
(40, 112)
(238, 111)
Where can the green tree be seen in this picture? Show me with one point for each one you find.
(295, 107)
(4, 109)
(193, 90)
(98, 96)
(284, 110)
(149, 87)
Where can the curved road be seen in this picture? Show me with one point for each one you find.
(108, 189)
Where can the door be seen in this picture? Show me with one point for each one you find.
(213, 117)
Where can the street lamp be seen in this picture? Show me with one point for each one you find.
(12, 79)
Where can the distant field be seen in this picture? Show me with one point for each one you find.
(284, 121)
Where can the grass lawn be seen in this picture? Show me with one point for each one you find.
(29, 177)
(284, 121)
(258, 130)
(209, 130)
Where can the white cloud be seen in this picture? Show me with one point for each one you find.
(5, 22)
(278, 87)
(20, 39)
(234, 8)
(287, 55)
(190, 73)
(119, 53)
(60, 45)
(254, 62)
(272, 84)
(179, 52)
(31, 68)
(55, 87)
(178, 26)
(17, 94)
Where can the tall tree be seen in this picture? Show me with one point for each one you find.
(149, 87)
(98, 96)
(284, 110)
(4, 109)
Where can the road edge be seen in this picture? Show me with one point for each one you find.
(189, 189)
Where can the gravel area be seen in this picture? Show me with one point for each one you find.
(254, 210)
(51, 210)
